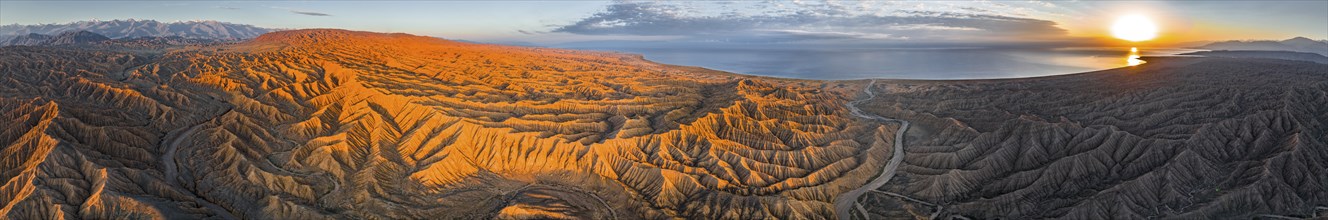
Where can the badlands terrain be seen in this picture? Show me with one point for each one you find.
(314, 124)
(1180, 137)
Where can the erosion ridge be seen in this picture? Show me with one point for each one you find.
(332, 123)
(326, 123)
(1180, 137)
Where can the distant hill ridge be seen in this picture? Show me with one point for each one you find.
(66, 38)
(1285, 55)
(131, 28)
(77, 37)
(308, 36)
(26, 40)
(1297, 44)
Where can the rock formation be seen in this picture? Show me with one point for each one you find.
(1185, 138)
(332, 123)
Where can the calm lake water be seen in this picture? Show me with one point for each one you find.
(898, 63)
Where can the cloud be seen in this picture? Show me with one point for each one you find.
(812, 22)
(975, 9)
(931, 27)
(227, 7)
(300, 12)
(1043, 4)
(309, 13)
(802, 34)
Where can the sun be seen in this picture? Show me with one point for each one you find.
(1134, 28)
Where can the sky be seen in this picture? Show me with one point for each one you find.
(833, 23)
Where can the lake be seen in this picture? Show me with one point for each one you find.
(840, 64)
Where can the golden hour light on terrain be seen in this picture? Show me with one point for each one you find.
(620, 110)
(1134, 28)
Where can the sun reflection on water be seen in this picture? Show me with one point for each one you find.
(1133, 58)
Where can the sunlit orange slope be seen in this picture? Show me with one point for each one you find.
(334, 123)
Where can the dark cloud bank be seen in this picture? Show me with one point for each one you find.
(828, 40)
(821, 25)
(309, 13)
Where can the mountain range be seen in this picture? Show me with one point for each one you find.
(66, 38)
(1265, 54)
(1297, 44)
(131, 28)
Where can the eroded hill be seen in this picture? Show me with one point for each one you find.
(1189, 138)
(315, 124)
(341, 124)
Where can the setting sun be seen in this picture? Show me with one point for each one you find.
(1134, 28)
